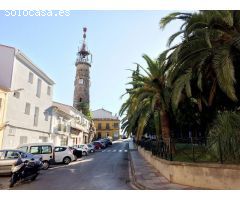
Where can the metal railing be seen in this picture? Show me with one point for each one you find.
(184, 149)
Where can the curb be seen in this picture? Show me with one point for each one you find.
(133, 177)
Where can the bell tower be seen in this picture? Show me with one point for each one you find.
(82, 79)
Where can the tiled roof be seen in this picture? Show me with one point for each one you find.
(66, 108)
(103, 114)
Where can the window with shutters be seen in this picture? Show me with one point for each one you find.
(39, 85)
(27, 108)
(35, 123)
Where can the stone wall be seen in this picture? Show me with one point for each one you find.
(209, 176)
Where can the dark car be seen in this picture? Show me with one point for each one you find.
(76, 152)
(98, 145)
(107, 141)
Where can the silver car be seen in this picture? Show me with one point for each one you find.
(9, 156)
(91, 147)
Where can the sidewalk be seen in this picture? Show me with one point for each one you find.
(145, 176)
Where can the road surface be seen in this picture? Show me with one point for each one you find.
(103, 170)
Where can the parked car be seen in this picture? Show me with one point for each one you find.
(83, 148)
(63, 155)
(91, 147)
(77, 153)
(98, 145)
(103, 143)
(46, 150)
(9, 156)
(108, 141)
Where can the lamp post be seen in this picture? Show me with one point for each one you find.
(2, 123)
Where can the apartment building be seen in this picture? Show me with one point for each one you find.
(107, 125)
(29, 99)
(68, 125)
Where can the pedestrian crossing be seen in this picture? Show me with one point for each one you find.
(115, 151)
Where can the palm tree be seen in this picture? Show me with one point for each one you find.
(204, 65)
(148, 97)
(206, 56)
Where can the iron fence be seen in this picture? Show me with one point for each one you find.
(184, 149)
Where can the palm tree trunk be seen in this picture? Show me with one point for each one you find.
(165, 127)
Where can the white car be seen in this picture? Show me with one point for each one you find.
(63, 155)
(45, 150)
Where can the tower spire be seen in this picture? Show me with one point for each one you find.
(83, 53)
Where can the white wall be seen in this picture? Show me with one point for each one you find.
(11, 137)
(16, 106)
(6, 65)
(16, 116)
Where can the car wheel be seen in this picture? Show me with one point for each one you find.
(45, 165)
(84, 153)
(66, 160)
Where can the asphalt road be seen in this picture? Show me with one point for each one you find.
(103, 170)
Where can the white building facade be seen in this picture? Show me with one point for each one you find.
(27, 114)
(68, 125)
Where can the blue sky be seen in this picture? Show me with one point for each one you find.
(117, 39)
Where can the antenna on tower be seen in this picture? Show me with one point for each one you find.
(83, 52)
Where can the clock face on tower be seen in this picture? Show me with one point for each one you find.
(81, 81)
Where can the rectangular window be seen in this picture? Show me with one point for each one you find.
(115, 125)
(12, 155)
(24, 148)
(23, 140)
(39, 85)
(99, 126)
(107, 126)
(30, 77)
(27, 108)
(2, 155)
(49, 91)
(36, 116)
(59, 127)
(46, 149)
(46, 116)
(35, 150)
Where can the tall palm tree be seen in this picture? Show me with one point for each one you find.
(149, 96)
(205, 59)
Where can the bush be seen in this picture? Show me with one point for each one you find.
(224, 136)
